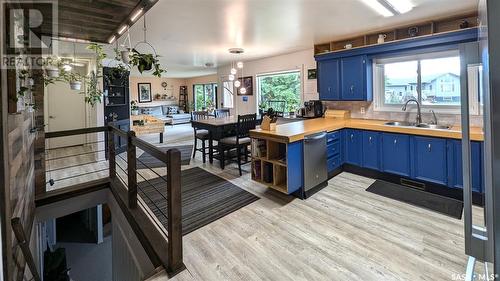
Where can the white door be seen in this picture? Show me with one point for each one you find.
(65, 111)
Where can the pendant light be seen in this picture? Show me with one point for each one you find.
(235, 66)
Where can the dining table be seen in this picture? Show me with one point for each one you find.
(219, 128)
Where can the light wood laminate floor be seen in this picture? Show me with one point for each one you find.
(340, 233)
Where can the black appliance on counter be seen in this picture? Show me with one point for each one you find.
(312, 109)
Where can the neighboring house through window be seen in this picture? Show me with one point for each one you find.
(433, 79)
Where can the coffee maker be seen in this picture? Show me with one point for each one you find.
(313, 109)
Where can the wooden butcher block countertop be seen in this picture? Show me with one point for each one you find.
(296, 131)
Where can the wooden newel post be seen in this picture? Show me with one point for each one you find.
(111, 153)
(174, 230)
(18, 230)
(132, 170)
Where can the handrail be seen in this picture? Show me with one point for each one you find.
(171, 159)
(73, 132)
(18, 230)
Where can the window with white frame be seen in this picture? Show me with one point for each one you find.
(280, 90)
(228, 94)
(432, 78)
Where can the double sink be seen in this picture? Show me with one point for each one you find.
(415, 125)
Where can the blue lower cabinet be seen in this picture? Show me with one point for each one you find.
(455, 172)
(353, 147)
(429, 157)
(334, 163)
(395, 154)
(371, 150)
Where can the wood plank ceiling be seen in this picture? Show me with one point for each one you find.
(94, 20)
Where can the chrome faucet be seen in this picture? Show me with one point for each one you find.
(435, 120)
(419, 113)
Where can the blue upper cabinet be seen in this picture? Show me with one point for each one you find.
(354, 74)
(371, 150)
(430, 159)
(395, 154)
(329, 79)
(455, 173)
(353, 147)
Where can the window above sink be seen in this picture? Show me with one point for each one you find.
(431, 78)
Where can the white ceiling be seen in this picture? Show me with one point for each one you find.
(189, 33)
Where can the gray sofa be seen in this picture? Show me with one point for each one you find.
(168, 113)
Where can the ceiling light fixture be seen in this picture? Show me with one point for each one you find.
(112, 39)
(136, 15)
(378, 7)
(122, 29)
(234, 69)
(400, 6)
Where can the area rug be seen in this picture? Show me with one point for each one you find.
(434, 202)
(145, 160)
(205, 198)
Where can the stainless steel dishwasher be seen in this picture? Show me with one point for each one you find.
(315, 162)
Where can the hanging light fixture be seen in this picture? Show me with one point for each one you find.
(234, 69)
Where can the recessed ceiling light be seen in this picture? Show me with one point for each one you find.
(378, 7)
(136, 15)
(122, 29)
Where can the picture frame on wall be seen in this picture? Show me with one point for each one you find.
(246, 82)
(144, 92)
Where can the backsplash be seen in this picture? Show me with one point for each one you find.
(410, 115)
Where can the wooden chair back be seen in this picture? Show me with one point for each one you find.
(199, 115)
(221, 113)
(245, 124)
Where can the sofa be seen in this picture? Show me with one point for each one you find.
(170, 114)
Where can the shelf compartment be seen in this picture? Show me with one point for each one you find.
(267, 172)
(259, 148)
(276, 151)
(257, 170)
(280, 179)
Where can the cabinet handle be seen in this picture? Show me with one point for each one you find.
(352, 136)
(370, 140)
(352, 89)
(429, 147)
(329, 89)
(395, 141)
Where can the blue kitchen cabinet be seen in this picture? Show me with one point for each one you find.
(353, 147)
(395, 154)
(371, 150)
(429, 159)
(455, 173)
(355, 81)
(329, 79)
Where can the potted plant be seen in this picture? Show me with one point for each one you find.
(157, 97)
(134, 109)
(146, 62)
(74, 80)
(125, 56)
(52, 69)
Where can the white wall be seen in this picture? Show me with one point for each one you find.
(302, 60)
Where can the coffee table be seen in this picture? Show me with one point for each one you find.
(151, 125)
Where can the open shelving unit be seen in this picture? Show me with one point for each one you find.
(427, 28)
(269, 164)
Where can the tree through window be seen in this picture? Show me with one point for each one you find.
(280, 91)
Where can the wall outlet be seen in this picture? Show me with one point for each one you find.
(363, 111)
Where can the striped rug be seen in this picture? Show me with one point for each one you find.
(145, 160)
(205, 198)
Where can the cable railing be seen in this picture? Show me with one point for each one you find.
(159, 188)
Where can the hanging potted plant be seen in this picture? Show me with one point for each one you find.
(146, 62)
(52, 69)
(125, 56)
(74, 80)
(134, 109)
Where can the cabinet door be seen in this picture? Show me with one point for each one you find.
(329, 80)
(371, 150)
(455, 173)
(395, 154)
(353, 146)
(353, 78)
(430, 159)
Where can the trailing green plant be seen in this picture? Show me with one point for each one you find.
(133, 105)
(22, 91)
(146, 62)
(93, 95)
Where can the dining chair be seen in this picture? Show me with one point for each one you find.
(200, 134)
(240, 141)
(221, 113)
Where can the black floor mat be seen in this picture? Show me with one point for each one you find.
(437, 203)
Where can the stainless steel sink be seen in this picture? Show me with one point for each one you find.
(400, 124)
(433, 126)
(421, 125)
